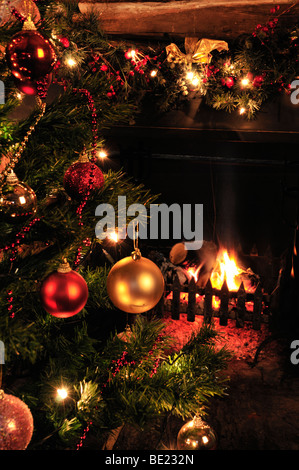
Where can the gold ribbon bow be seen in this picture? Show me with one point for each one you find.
(197, 51)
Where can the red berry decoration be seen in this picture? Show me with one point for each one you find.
(30, 56)
(82, 178)
(64, 292)
(16, 423)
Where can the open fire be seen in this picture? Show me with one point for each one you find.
(226, 269)
(225, 289)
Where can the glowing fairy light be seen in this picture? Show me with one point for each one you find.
(242, 110)
(113, 236)
(245, 82)
(62, 393)
(195, 81)
(190, 76)
(102, 154)
(71, 62)
(153, 73)
(131, 54)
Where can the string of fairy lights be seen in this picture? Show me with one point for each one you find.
(192, 80)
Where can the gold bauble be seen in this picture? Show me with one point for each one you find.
(196, 435)
(17, 200)
(135, 284)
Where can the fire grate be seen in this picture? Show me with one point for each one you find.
(254, 306)
(239, 305)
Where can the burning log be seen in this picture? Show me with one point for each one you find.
(217, 286)
(213, 284)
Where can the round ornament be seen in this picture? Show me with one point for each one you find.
(82, 178)
(64, 292)
(17, 200)
(30, 56)
(16, 423)
(23, 7)
(196, 435)
(135, 284)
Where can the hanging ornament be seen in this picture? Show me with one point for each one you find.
(16, 423)
(82, 178)
(30, 56)
(17, 200)
(23, 7)
(135, 284)
(196, 435)
(64, 292)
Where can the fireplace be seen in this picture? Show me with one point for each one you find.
(238, 287)
(246, 177)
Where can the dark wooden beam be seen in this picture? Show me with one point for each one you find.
(209, 18)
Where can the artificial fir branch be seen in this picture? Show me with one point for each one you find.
(118, 380)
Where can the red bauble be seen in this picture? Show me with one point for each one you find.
(16, 423)
(30, 56)
(83, 178)
(64, 292)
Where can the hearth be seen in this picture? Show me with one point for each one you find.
(243, 288)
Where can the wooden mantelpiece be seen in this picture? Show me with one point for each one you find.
(207, 18)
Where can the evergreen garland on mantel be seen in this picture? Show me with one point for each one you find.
(256, 67)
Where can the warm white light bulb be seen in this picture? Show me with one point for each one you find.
(153, 73)
(245, 82)
(195, 81)
(242, 110)
(102, 154)
(62, 393)
(113, 236)
(190, 76)
(71, 62)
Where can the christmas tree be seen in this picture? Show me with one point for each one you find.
(68, 354)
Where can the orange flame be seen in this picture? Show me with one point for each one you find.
(226, 268)
(193, 272)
